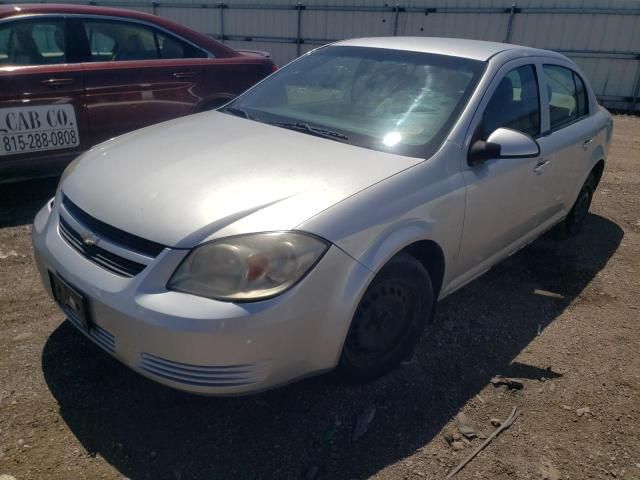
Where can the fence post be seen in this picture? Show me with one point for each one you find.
(512, 11)
(396, 9)
(636, 88)
(222, 6)
(299, 8)
(154, 7)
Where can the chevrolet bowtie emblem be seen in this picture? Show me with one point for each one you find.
(89, 240)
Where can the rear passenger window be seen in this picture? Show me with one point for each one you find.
(120, 41)
(567, 101)
(515, 104)
(32, 42)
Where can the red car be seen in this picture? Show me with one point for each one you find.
(72, 76)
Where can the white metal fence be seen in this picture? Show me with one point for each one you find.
(602, 36)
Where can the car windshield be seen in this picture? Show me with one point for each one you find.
(389, 100)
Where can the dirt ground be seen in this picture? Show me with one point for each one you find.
(562, 317)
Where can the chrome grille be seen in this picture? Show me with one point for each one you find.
(202, 375)
(103, 230)
(114, 250)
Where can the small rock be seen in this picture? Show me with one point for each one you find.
(467, 431)
(463, 419)
(153, 454)
(22, 336)
(363, 421)
(566, 407)
(581, 411)
(10, 253)
(549, 472)
(20, 442)
(448, 438)
(456, 436)
(5, 476)
(457, 446)
(495, 422)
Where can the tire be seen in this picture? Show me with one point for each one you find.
(388, 321)
(574, 221)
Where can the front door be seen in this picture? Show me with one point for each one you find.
(507, 199)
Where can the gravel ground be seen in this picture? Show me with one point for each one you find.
(561, 317)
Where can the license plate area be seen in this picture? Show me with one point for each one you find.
(72, 302)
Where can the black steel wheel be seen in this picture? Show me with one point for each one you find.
(572, 225)
(388, 321)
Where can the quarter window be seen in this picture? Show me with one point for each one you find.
(583, 100)
(515, 104)
(171, 47)
(32, 42)
(567, 95)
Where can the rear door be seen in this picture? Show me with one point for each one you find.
(43, 123)
(136, 75)
(569, 133)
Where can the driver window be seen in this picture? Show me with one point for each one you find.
(515, 104)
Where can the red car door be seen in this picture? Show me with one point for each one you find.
(136, 75)
(43, 123)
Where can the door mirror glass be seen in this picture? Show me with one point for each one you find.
(503, 143)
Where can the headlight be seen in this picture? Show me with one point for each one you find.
(248, 267)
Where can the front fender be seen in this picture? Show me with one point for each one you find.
(393, 239)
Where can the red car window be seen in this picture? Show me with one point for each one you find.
(32, 42)
(111, 40)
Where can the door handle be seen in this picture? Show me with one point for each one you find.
(57, 82)
(543, 162)
(586, 143)
(183, 75)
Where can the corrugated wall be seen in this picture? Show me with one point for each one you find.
(602, 36)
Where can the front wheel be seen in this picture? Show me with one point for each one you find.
(388, 321)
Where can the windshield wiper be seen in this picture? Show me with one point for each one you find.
(305, 127)
(238, 112)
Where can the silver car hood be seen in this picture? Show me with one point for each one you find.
(210, 175)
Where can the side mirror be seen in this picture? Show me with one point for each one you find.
(503, 143)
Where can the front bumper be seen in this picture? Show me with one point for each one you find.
(202, 345)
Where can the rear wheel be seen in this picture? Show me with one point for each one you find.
(388, 321)
(574, 221)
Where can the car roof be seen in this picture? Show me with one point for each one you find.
(63, 8)
(202, 40)
(457, 47)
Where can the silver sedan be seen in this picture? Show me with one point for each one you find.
(312, 223)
